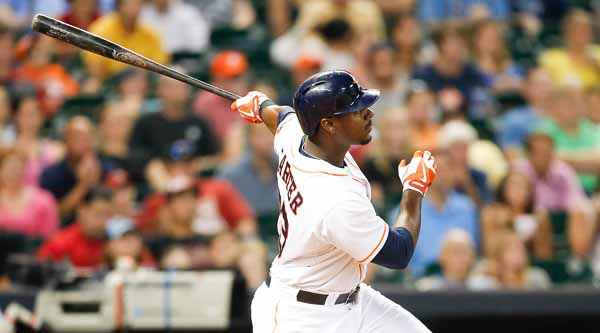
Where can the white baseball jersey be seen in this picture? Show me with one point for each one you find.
(328, 228)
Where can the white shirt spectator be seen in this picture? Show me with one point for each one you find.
(181, 26)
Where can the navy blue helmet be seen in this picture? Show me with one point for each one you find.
(327, 94)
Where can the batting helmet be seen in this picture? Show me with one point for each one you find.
(327, 94)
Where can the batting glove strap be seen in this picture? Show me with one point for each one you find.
(249, 106)
(419, 173)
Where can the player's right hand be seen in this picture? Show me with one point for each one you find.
(419, 173)
(249, 106)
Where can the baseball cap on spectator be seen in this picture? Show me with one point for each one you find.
(117, 179)
(119, 226)
(456, 131)
(180, 150)
(307, 62)
(228, 64)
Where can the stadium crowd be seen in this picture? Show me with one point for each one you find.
(101, 162)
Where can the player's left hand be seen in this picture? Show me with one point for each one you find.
(249, 106)
(419, 173)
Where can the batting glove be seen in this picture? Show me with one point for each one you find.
(419, 173)
(249, 106)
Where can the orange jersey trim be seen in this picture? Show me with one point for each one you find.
(385, 231)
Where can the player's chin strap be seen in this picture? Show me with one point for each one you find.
(320, 299)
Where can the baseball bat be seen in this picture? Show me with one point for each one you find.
(98, 45)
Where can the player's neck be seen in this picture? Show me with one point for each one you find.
(326, 150)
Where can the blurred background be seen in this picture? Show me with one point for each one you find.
(132, 201)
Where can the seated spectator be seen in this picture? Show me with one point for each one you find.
(576, 139)
(381, 163)
(411, 50)
(455, 137)
(557, 190)
(7, 63)
(514, 210)
(124, 28)
(516, 124)
(509, 267)
(457, 258)
(382, 75)
(173, 122)
(459, 86)
(577, 63)
(219, 206)
(52, 82)
(123, 194)
(24, 209)
(70, 179)
(228, 70)
(82, 243)
(38, 151)
(181, 26)
(125, 249)
(7, 130)
(436, 11)
(81, 13)
(493, 59)
(115, 131)
(131, 91)
(421, 110)
(254, 174)
(442, 210)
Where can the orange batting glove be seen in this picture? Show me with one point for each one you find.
(249, 106)
(419, 173)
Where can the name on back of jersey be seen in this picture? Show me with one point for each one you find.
(294, 197)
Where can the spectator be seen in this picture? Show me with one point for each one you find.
(228, 70)
(124, 28)
(457, 258)
(7, 130)
(509, 267)
(407, 39)
(52, 82)
(219, 208)
(382, 75)
(516, 124)
(174, 122)
(181, 26)
(123, 194)
(436, 11)
(576, 139)
(381, 164)
(24, 209)
(131, 91)
(557, 190)
(515, 210)
(455, 138)
(254, 174)
(493, 59)
(82, 243)
(576, 64)
(70, 179)
(39, 152)
(460, 88)
(81, 13)
(422, 113)
(443, 209)
(115, 130)
(125, 248)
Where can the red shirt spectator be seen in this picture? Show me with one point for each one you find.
(71, 243)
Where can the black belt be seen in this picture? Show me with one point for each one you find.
(319, 299)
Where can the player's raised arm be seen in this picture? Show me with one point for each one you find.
(257, 108)
(416, 177)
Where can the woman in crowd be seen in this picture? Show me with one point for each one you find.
(24, 209)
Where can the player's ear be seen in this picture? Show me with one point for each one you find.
(328, 125)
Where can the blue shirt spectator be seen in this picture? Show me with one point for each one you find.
(515, 125)
(434, 11)
(458, 211)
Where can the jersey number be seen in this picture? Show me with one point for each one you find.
(284, 228)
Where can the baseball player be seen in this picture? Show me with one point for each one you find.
(328, 229)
